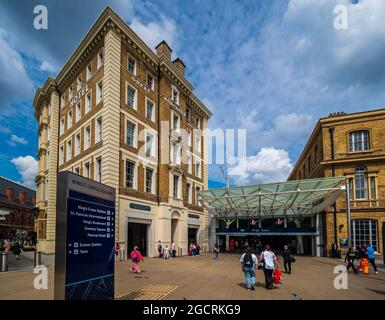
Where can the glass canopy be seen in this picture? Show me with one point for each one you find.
(273, 199)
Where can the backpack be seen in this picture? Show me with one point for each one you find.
(248, 260)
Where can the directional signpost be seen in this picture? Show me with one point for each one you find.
(85, 228)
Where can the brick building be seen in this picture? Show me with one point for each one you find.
(17, 212)
(352, 146)
(125, 116)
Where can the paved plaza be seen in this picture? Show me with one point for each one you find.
(204, 278)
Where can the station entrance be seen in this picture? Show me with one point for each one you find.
(278, 214)
(137, 236)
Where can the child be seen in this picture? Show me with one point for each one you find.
(166, 253)
(136, 258)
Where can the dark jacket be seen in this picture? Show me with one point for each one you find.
(286, 255)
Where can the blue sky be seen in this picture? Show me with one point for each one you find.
(271, 67)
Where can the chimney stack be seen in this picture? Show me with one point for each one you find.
(22, 196)
(178, 63)
(163, 49)
(10, 193)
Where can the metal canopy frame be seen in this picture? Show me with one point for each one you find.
(301, 197)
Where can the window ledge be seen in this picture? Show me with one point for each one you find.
(360, 152)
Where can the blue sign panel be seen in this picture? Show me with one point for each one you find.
(90, 247)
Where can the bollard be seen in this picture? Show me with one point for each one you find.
(37, 258)
(4, 262)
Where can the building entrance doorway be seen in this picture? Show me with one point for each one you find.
(137, 236)
(192, 235)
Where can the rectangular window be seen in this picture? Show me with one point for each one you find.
(131, 97)
(69, 150)
(61, 155)
(87, 170)
(150, 110)
(359, 141)
(70, 93)
(131, 65)
(100, 58)
(175, 122)
(79, 84)
(130, 172)
(88, 102)
(197, 123)
(176, 153)
(89, 71)
(99, 92)
(150, 81)
(98, 170)
(188, 163)
(62, 101)
(188, 192)
(77, 170)
(198, 189)
(49, 133)
(373, 188)
(198, 145)
(98, 130)
(87, 138)
(198, 168)
(149, 177)
(77, 144)
(130, 134)
(69, 123)
(176, 186)
(189, 138)
(150, 147)
(61, 126)
(78, 111)
(188, 113)
(175, 95)
(364, 231)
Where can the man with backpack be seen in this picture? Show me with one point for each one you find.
(248, 263)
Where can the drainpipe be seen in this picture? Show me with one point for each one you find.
(331, 130)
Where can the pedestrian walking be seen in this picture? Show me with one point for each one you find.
(364, 261)
(216, 251)
(335, 250)
(372, 260)
(269, 261)
(287, 258)
(160, 249)
(117, 252)
(166, 253)
(17, 250)
(351, 255)
(248, 263)
(7, 245)
(136, 258)
(173, 251)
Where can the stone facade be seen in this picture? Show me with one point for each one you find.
(109, 115)
(351, 146)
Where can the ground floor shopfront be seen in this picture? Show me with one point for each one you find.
(143, 224)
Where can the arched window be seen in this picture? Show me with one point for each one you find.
(359, 141)
(364, 231)
(361, 183)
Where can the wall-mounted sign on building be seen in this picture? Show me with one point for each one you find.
(85, 228)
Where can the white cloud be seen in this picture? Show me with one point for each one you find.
(27, 167)
(14, 81)
(154, 32)
(269, 165)
(15, 139)
(48, 67)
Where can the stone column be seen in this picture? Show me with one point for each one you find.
(111, 121)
